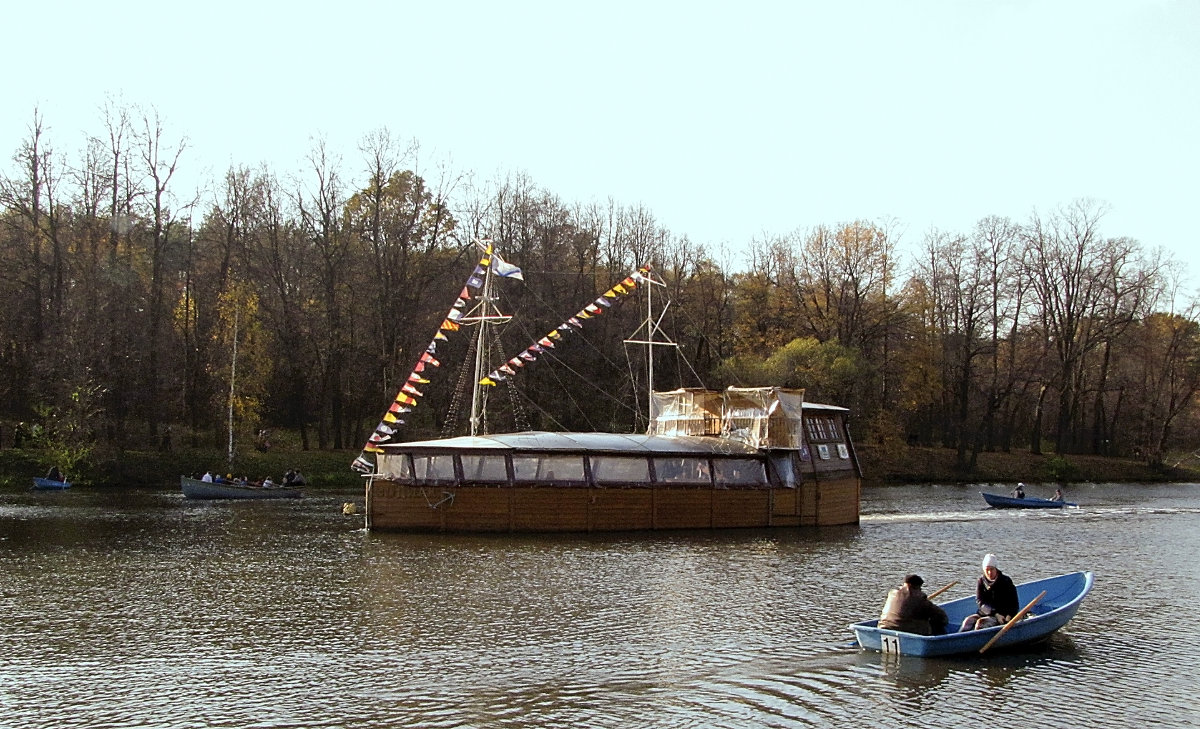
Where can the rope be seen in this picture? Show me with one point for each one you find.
(520, 419)
(465, 373)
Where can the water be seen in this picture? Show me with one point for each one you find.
(141, 609)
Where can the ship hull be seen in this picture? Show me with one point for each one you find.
(407, 507)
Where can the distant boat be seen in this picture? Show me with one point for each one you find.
(194, 488)
(46, 484)
(1064, 594)
(1011, 502)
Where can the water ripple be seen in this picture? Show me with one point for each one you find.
(146, 610)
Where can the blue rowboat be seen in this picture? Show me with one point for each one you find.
(1064, 594)
(194, 488)
(46, 484)
(1011, 502)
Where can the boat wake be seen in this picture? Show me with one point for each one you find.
(929, 516)
(987, 514)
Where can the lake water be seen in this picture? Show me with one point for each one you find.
(140, 609)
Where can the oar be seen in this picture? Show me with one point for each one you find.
(947, 587)
(1013, 622)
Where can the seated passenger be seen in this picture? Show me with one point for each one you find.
(996, 596)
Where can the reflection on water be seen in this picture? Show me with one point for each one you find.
(139, 608)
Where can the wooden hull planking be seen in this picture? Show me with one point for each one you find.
(396, 506)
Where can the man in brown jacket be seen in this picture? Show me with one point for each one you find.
(909, 610)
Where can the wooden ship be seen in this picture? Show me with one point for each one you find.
(738, 458)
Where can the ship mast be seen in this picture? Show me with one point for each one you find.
(485, 314)
(652, 333)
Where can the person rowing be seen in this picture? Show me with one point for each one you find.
(908, 609)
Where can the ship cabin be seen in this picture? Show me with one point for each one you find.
(743, 457)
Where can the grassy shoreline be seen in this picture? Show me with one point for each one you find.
(936, 465)
(331, 469)
(322, 469)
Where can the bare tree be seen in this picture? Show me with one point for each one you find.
(320, 206)
(160, 161)
(1087, 291)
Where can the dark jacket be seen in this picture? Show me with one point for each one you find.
(999, 597)
(909, 610)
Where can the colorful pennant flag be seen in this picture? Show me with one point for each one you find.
(570, 325)
(384, 431)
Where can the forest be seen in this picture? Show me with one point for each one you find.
(137, 314)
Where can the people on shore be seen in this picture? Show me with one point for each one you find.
(908, 609)
(995, 596)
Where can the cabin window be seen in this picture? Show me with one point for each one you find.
(784, 467)
(433, 468)
(739, 472)
(489, 469)
(620, 469)
(821, 428)
(682, 470)
(547, 469)
(395, 467)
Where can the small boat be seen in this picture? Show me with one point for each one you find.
(1011, 502)
(1064, 594)
(194, 488)
(48, 484)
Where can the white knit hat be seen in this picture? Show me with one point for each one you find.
(989, 560)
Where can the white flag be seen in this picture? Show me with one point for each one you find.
(506, 269)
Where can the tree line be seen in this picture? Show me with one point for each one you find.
(133, 311)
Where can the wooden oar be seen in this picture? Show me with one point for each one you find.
(1013, 622)
(947, 587)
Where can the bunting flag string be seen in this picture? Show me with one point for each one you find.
(572, 325)
(406, 399)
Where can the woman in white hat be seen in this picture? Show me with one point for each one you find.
(996, 596)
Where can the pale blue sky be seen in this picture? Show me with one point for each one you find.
(726, 120)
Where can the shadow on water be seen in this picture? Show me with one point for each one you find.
(916, 675)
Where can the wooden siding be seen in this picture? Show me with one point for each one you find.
(395, 506)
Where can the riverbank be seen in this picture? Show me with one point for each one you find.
(936, 465)
(322, 469)
(331, 469)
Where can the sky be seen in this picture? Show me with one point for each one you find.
(729, 122)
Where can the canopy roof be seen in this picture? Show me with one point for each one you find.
(688, 421)
(543, 441)
(762, 417)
